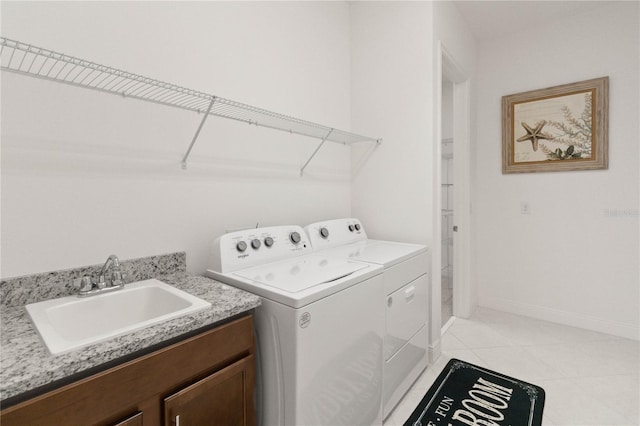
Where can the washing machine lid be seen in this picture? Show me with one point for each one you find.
(385, 253)
(302, 280)
(297, 275)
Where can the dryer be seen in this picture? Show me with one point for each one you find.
(319, 328)
(405, 299)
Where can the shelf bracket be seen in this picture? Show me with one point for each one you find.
(195, 137)
(316, 151)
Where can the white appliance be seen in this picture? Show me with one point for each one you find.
(405, 298)
(319, 328)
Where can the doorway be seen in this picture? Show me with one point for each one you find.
(447, 201)
(453, 293)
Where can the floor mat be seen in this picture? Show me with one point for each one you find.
(466, 394)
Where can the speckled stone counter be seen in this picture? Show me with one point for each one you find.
(26, 362)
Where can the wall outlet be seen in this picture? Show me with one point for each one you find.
(525, 207)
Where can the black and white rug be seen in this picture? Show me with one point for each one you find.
(466, 394)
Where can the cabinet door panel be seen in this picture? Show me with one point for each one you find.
(223, 398)
(135, 420)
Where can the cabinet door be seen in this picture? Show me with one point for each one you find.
(135, 420)
(223, 398)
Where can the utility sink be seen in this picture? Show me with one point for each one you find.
(71, 322)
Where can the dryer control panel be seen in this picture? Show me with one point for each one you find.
(242, 249)
(333, 233)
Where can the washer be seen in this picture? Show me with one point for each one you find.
(405, 298)
(319, 328)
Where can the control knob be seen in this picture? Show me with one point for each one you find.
(241, 246)
(351, 228)
(268, 241)
(357, 225)
(255, 243)
(324, 232)
(294, 237)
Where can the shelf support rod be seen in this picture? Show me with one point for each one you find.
(316, 151)
(195, 137)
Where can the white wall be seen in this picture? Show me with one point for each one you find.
(574, 259)
(392, 95)
(86, 174)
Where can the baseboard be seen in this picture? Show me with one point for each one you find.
(434, 350)
(448, 324)
(573, 319)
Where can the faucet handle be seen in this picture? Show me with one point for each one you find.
(83, 284)
(117, 278)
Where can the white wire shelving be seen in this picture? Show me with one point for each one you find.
(26, 59)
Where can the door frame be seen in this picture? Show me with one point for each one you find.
(446, 65)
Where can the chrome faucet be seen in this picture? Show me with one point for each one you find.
(88, 286)
(116, 274)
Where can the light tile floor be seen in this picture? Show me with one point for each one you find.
(589, 378)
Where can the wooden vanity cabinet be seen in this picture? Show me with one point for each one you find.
(203, 380)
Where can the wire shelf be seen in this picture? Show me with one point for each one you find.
(26, 59)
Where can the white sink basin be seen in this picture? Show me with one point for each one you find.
(71, 322)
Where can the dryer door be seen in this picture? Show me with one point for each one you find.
(406, 314)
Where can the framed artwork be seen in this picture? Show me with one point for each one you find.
(559, 128)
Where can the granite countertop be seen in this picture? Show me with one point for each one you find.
(27, 364)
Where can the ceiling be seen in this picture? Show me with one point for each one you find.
(491, 19)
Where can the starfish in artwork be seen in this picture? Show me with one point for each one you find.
(533, 134)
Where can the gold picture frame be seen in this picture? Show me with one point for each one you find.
(560, 128)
